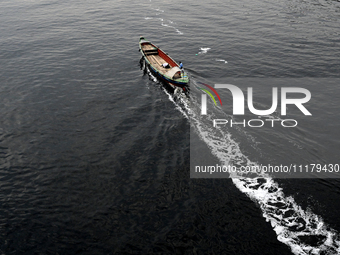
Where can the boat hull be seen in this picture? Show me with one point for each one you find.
(155, 57)
(162, 77)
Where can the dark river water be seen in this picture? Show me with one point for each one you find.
(96, 154)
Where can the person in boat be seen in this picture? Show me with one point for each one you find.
(166, 65)
(180, 65)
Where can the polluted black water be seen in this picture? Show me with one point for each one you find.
(95, 152)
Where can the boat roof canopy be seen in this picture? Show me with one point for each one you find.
(173, 71)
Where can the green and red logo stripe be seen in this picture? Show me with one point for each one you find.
(208, 92)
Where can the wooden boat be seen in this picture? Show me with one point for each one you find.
(162, 64)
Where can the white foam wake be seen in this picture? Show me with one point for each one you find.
(164, 23)
(171, 22)
(204, 50)
(303, 231)
(222, 60)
